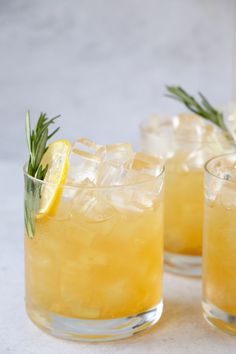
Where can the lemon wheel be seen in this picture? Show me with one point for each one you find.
(56, 157)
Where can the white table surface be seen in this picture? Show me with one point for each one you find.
(181, 329)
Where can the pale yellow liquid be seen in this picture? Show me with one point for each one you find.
(219, 266)
(184, 212)
(95, 270)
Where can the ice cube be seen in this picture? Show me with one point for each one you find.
(158, 139)
(217, 189)
(215, 141)
(111, 174)
(83, 162)
(119, 154)
(189, 159)
(197, 141)
(190, 124)
(91, 204)
(194, 151)
(200, 137)
(147, 194)
(144, 168)
(146, 165)
(228, 191)
(86, 146)
(141, 189)
(229, 113)
(213, 187)
(228, 195)
(121, 200)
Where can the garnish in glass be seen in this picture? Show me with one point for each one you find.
(202, 107)
(37, 140)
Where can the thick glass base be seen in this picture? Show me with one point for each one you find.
(183, 265)
(219, 318)
(94, 330)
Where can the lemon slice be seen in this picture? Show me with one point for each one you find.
(56, 157)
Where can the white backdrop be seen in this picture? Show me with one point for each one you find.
(103, 64)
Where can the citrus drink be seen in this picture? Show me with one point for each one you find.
(186, 142)
(219, 247)
(95, 269)
(97, 249)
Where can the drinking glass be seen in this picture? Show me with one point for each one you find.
(186, 142)
(219, 243)
(93, 270)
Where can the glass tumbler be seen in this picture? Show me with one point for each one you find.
(186, 142)
(219, 243)
(93, 270)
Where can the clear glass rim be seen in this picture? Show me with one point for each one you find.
(215, 158)
(143, 128)
(67, 186)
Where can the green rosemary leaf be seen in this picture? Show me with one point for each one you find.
(53, 133)
(40, 147)
(202, 108)
(29, 225)
(37, 140)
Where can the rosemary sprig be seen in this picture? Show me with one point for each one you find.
(202, 108)
(37, 140)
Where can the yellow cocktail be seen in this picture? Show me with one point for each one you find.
(99, 255)
(186, 142)
(219, 246)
